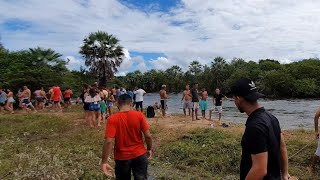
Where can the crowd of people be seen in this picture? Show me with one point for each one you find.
(42, 99)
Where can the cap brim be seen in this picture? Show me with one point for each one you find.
(254, 96)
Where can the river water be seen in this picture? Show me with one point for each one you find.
(292, 113)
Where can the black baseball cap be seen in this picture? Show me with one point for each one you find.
(246, 88)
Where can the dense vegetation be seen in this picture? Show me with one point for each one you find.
(39, 67)
(298, 79)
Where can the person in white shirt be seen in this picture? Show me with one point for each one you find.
(93, 99)
(139, 99)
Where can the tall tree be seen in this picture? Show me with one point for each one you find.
(195, 67)
(44, 55)
(103, 54)
(1, 46)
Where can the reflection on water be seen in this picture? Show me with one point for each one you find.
(292, 114)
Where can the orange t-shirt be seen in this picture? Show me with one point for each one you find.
(56, 94)
(67, 94)
(126, 128)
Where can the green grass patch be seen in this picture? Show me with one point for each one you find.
(62, 146)
(203, 153)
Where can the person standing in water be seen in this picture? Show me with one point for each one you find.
(203, 102)
(264, 152)
(163, 99)
(195, 101)
(187, 100)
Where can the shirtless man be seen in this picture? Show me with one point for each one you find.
(203, 102)
(187, 100)
(26, 96)
(163, 99)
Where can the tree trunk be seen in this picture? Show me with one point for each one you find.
(103, 81)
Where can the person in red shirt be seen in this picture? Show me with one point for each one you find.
(67, 97)
(126, 128)
(56, 97)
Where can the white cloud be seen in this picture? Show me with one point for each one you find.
(73, 63)
(130, 64)
(281, 29)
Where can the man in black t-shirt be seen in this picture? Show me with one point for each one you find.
(264, 152)
(195, 101)
(217, 102)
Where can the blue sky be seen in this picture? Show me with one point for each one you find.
(163, 33)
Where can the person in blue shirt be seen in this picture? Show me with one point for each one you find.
(130, 93)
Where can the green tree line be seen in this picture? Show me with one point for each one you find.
(38, 67)
(299, 79)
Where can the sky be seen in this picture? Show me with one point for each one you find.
(163, 33)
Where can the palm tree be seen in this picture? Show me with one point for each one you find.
(195, 67)
(102, 54)
(44, 55)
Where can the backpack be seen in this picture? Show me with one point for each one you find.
(150, 112)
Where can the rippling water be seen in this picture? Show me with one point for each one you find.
(292, 114)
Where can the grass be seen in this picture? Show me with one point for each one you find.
(61, 146)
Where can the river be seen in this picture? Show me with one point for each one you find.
(292, 113)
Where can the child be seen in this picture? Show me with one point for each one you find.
(203, 102)
(156, 107)
(103, 108)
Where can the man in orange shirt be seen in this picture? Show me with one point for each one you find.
(126, 128)
(56, 97)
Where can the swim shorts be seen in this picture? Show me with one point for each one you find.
(217, 109)
(163, 104)
(203, 105)
(187, 105)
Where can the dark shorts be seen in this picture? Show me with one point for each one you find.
(86, 107)
(138, 166)
(56, 102)
(26, 102)
(163, 104)
(94, 107)
(66, 99)
(40, 99)
(139, 105)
